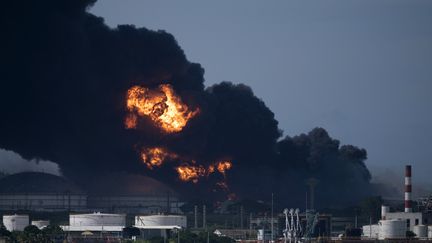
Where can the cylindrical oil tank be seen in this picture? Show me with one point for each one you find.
(40, 223)
(371, 231)
(392, 229)
(260, 234)
(430, 231)
(97, 219)
(161, 220)
(384, 211)
(421, 231)
(15, 222)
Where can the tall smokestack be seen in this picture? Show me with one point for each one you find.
(408, 189)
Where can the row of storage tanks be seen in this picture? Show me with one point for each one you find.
(19, 222)
(395, 228)
(98, 219)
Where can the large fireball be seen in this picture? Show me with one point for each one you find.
(161, 105)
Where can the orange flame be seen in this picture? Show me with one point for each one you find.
(223, 166)
(154, 157)
(162, 105)
(190, 172)
(211, 169)
(131, 121)
(193, 173)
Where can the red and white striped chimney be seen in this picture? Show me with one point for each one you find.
(408, 188)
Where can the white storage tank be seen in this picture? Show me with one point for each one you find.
(40, 223)
(371, 231)
(15, 222)
(161, 220)
(260, 234)
(384, 211)
(97, 219)
(392, 229)
(421, 231)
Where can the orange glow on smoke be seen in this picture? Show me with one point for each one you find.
(211, 169)
(162, 105)
(131, 121)
(223, 166)
(193, 173)
(190, 172)
(154, 157)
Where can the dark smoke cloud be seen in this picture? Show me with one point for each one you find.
(64, 79)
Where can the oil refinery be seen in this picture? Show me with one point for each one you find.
(289, 225)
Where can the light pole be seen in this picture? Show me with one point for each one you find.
(178, 235)
(271, 217)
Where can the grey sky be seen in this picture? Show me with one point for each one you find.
(360, 69)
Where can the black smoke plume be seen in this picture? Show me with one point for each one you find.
(64, 77)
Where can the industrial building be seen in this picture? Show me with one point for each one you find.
(395, 225)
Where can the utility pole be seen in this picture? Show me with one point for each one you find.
(250, 224)
(264, 225)
(241, 217)
(204, 217)
(196, 217)
(271, 217)
(356, 218)
(178, 236)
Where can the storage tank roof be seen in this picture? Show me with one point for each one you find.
(37, 182)
(119, 184)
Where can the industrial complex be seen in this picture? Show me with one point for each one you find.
(156, 212)
(396, 224)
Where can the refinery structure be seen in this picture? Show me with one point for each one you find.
(158, 213)
(143, 148)
(394, 225)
